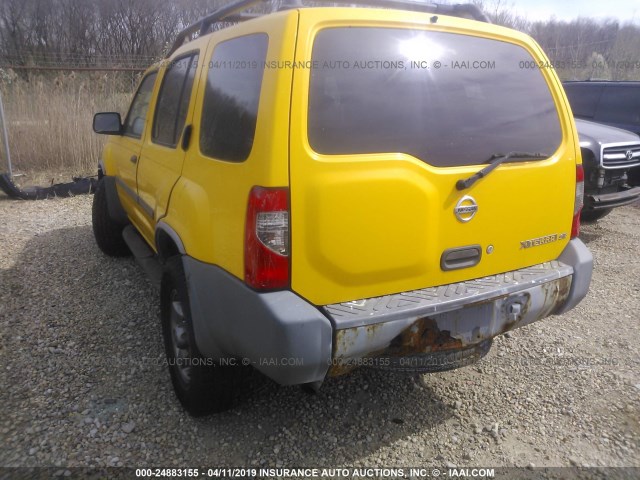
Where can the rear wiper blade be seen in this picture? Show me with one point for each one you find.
(494, 162)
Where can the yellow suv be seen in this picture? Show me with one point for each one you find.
(319, 189)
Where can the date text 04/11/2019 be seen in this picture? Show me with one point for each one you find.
(375, 472)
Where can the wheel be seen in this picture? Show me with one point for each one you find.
(593, 215)
(201, 386)
(108, 234)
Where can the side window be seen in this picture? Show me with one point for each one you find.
(620, 104)
(231, 99)
(173, 101)
(134, 123)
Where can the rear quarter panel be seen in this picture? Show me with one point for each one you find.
(209, 202)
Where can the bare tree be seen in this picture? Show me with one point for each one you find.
(135, 32)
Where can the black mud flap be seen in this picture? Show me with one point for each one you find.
(79, 186)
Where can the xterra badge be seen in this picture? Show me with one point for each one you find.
(536, 242)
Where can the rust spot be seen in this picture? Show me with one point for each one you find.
(372, 329)
(564, 287)
(525, 308)
(422, 336)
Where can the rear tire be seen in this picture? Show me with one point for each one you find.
(108, 233)
(588, 216)
(201, 386)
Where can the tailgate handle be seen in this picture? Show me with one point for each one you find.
(460, 257)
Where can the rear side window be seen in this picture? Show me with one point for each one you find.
(583, 99)
(620, 104)
(134, 124)
(444, 98)
(231, 99)
(173, 101)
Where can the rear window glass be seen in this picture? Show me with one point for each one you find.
(583, 99)
(620, 104)
(444, 98)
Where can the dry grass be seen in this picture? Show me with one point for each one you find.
(49, 119)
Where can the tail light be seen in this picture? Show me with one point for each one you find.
(579, 202)
(266, 245)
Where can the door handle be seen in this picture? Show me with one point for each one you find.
(133, 159)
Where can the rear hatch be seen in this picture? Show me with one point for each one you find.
(388, 114)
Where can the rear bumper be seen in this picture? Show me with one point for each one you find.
(294, 342)
(459, 316)
(611, 200)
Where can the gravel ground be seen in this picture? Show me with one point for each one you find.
(83, 383)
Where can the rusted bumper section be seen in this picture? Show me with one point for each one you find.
(457, 317)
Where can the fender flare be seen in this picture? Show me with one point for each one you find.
(116, 211)
(164, 228)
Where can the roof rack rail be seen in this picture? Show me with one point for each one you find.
(228, 13)
(232, 13)
(456, 10)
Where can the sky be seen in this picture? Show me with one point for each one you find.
(622, 10)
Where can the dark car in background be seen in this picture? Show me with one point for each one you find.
(612, 103)
(611, 156)
(611, 162)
